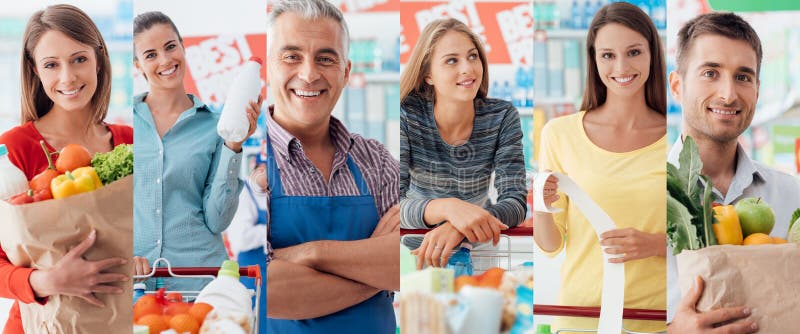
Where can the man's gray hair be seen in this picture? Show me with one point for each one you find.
(310, 9)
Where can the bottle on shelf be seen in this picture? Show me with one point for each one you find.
(588, 14)
(507, 92)
(576, 22)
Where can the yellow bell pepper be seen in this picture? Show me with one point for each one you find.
(78, 181)
(727, 228)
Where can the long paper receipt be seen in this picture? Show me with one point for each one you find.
(613, 297)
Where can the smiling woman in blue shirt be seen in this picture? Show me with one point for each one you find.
(186, 188)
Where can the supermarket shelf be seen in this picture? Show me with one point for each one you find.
(580, 33)
(554, 100)
(525, 111)
(382, 77)
(120, 45)
(566, 34)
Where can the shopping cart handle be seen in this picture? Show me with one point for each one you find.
(512, 232)
(594, 312)
(249, 271)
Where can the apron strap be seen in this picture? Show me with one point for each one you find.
(273, 173)
(357, 176)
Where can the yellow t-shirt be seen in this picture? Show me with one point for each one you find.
(630, 187)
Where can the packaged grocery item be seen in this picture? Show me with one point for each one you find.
(523, 322)
(485, 310)
(524, 273)
(543, 329)
(226, 293)
(441, 313)
(138, 291)
(226, 322)
(429, 280)
(408, 263)
(233, 123)
(461, 261)
(12, 180)
(139, 329)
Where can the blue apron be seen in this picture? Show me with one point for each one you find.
(299, 219)
(257, 256)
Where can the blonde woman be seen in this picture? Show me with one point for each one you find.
(452, 139)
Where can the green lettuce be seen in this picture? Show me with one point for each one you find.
(689, 214)
(114, 165)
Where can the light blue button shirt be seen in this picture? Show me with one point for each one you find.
(186, 190)
(752, 179)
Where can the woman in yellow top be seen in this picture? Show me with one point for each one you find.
(615, 150)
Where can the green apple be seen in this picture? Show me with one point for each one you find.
(755, 215)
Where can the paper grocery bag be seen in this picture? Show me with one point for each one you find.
(37, 235)
(765, 278)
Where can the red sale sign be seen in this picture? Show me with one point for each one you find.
(214, 62)
(505, 28)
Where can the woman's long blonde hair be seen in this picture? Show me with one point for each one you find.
(412, 80)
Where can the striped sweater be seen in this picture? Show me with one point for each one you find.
(430, 168)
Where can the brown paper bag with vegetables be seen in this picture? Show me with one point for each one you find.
(706, 243)
(761, 277)
(39, 234)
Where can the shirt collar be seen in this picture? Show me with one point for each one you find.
(747, 171)
(197, 104)
(283, 141)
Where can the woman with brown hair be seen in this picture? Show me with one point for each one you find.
(452, 139)
(66, 87)
(187, 180)
(615, 150)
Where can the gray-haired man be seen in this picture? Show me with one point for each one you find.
(333, 215)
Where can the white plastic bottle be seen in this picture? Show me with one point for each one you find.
(233, 123)
(226, 292)
(12, 180)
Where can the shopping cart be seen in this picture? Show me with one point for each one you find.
(500, 257)
(594, 312)
(253, 271)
